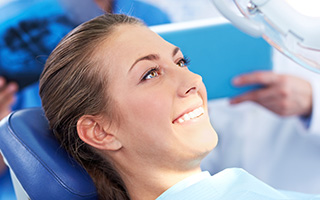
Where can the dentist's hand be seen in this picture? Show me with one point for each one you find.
(3, 166)
(283, 94)
(7, 97)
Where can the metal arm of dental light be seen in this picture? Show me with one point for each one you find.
(292, 33)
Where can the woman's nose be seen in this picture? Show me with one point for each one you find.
(190, 83)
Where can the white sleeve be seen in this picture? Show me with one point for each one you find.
(284, 65)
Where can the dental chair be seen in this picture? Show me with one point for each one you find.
(41, 169)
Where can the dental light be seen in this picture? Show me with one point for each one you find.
(284, 24)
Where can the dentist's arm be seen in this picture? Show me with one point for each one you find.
(7, 97)
(285, 95)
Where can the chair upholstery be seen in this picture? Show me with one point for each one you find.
(43, 168)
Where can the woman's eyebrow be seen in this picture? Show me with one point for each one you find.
(175, 51)
(148, 57)
(153, 57)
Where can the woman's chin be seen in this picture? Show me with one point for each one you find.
(209, 140)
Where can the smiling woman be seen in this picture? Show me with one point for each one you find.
(123, 102)
(128, 105)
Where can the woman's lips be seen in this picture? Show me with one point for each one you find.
(190, 115)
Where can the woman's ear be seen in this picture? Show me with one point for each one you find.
(93, 131)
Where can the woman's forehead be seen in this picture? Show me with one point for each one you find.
(137, 35)
(129, 42)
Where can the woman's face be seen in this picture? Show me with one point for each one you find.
(162, 105)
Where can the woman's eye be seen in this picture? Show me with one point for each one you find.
(152, 73)
(183, 62)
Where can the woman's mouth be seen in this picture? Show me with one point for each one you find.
(190, 115)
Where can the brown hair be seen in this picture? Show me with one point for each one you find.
(71, 86)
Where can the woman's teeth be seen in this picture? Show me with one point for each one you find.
(191, 115)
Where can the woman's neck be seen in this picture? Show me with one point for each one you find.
(147, 182)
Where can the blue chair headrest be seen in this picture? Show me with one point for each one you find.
(43, 168)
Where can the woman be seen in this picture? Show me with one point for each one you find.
(122, 101)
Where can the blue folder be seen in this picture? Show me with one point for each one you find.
(218, 52)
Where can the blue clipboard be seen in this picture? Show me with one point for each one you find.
(218, 52)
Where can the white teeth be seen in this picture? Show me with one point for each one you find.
(191, 115)
(187, 117)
